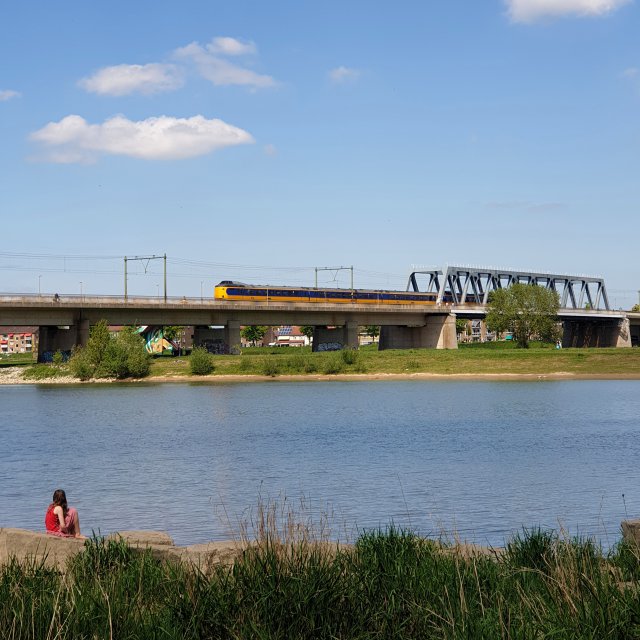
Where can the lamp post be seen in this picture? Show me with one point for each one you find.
(81, 288)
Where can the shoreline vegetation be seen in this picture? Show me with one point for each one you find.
(293, 584)
(488, 361)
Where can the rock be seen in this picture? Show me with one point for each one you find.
(54, 552)
(143, 538)
(26, 546)
(631, 531)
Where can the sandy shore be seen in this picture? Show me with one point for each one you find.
(13, 375)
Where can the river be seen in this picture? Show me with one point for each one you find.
(475, 459)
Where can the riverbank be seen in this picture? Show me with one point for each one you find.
(493, 361)
(388, 584)
(15, 377)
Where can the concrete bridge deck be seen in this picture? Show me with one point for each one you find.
(65, 319)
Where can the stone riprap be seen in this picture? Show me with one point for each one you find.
(55, 552)
(631, 531)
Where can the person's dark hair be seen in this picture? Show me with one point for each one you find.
(60, 500)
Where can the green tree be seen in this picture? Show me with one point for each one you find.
(461, 325)
(172, 332)
(99, 338)
(373, 331)
(528, 311)
(635, 308)
(105, 356)
(126, 356)
(307, 330)
(254, 333)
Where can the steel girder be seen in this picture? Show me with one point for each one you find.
(473, 285)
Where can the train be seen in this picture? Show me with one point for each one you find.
(239, 291)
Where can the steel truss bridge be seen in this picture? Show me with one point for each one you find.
(472, 285)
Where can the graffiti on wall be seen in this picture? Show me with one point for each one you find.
(330, 346)
(155, 341)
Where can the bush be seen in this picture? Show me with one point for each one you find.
(79, 366)
(58, 358)
(270, 367)
(42, 372)
(349, 356)
(333, 364)
(200, 362)
(107, 357)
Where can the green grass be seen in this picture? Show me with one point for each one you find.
(45, 372)
(17, 359)
(487, 358)
(390, 584)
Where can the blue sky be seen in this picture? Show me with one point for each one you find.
(256, 141)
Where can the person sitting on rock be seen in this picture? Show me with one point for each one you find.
(61, 520)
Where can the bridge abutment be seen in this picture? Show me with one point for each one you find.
(439, 332)
(593, 333)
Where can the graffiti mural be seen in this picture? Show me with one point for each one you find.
(330, 346)
(155, 341)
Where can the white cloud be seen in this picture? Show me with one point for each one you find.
(631, 72)
(7, 94)
(532, 10)
(343, 74)
(231, 47)
(220, 71)
(73, 139)
(124, 79)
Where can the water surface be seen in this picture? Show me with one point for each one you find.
(478, 458)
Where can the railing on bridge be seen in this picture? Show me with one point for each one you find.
(473, 285)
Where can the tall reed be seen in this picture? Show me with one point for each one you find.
(291, 582)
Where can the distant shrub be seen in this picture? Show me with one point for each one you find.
(200, 362)
(349, 356)
(310, 365)
(80, 367)
(124, 357)
(270, 367)
(333, 364)
(105, 356)
(42, 372)
(58, 358)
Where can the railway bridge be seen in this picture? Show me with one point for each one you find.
(587, 319)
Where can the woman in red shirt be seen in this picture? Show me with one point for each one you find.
(61, 520)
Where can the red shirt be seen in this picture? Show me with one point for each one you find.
(51, 520)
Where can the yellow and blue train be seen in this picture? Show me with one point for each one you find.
(230, 290)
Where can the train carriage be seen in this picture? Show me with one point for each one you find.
(230, 290)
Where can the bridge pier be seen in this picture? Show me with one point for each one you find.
(62, 338)
(223, 340)
(594, 333)
(439, 332)
(335, 338)
(232, 336)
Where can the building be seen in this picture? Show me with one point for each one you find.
(286, 336)
(18, 339)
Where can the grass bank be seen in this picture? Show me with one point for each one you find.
(488, 358)
(391, 584)
(500, 358)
